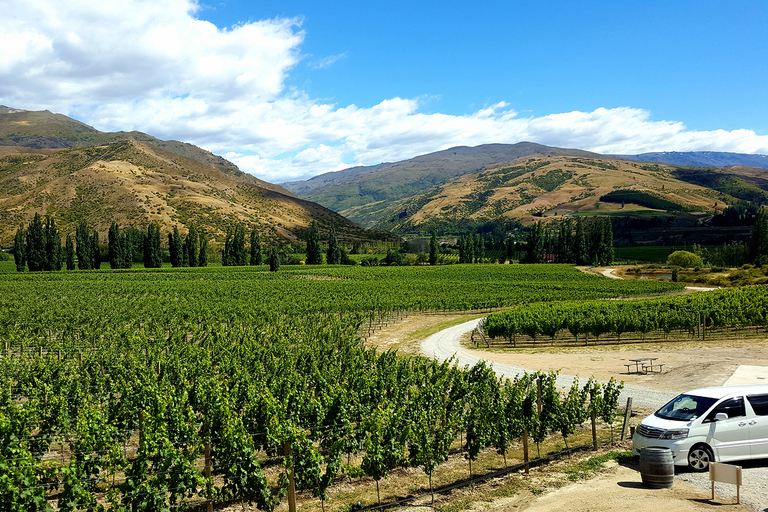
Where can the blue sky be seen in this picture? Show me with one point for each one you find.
(704, 63)
(292, 89)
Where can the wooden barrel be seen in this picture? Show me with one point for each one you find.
(656, 467)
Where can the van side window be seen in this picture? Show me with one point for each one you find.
(733, 407)
(759, 403)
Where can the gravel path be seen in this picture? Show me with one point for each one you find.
(445, 344)
(754, 491)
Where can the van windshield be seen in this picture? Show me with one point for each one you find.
(685, 407)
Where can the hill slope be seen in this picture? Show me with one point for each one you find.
(46, 130)
(540, 186)
(362, 194)
(500, 181)
(134, 179)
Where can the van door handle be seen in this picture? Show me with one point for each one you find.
(753, 422)
(742, 423)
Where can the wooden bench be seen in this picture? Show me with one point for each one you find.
(629, 368)
(650, 368)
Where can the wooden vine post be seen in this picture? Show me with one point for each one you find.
(627, 415)
(291, 482)
(208, 479)
(525, 450)
(593, 416)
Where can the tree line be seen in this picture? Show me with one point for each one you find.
(582, 242)
(39, 248)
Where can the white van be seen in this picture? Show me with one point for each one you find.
(717, 424)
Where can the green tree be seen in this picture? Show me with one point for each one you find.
(314, 254)
(580, 249)
(684, 259)
(19, 251)
(193, 246)
(535, 243)
(95, 250)
(333, 256)
(175, 247)
(70, 253)
(480, 249)
(152, 250)
(35, 244)
(227, 259)
(53, 259)
(202, 259)
(239, 254)
(119, 248)
(274, 260)
(256, 254)
(758, 245)
(83, 246)
(434, 249)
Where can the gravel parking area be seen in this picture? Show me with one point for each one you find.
(754, 491)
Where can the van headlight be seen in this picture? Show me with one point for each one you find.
(675, 433)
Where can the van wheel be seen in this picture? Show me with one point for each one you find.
(699, 458)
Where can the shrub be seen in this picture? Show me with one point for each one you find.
(684, 259)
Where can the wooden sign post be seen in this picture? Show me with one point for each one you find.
(726, 474)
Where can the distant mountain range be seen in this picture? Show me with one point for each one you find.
(702, 158)
(52, 164)
(524, 181)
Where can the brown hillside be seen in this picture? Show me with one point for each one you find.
(540, 186)
(134, 183)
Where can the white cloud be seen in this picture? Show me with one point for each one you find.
(326, 62)
(153, 66)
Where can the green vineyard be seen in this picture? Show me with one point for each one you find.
(148, 390)
(694, 315)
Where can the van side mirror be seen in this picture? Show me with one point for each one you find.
(721, 416)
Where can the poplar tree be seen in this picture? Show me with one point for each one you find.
(35, 244)
(469, 248)
(434, 249)
(238, 246)
(95, 250)
(175, 247)
(256, 256)
(580, 243)
(117, 248)
(535, 243)
(70, 253)
(758, 245)
(333, 256)
(314, 253)
(53, 259)
(274, 260)
(202, 258)
(19, 251)
(193, 247)
(83, 246)
(480, 249)
(226, 257)
(152, 250)
(185, 250)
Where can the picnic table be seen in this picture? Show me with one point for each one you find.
(643, 365)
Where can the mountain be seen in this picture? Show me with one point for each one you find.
(51, 164)
(702, 158)
(363, 194)
(469, 185)
(539, 186)
(46, 130)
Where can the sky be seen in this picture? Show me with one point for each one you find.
(291, 89)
